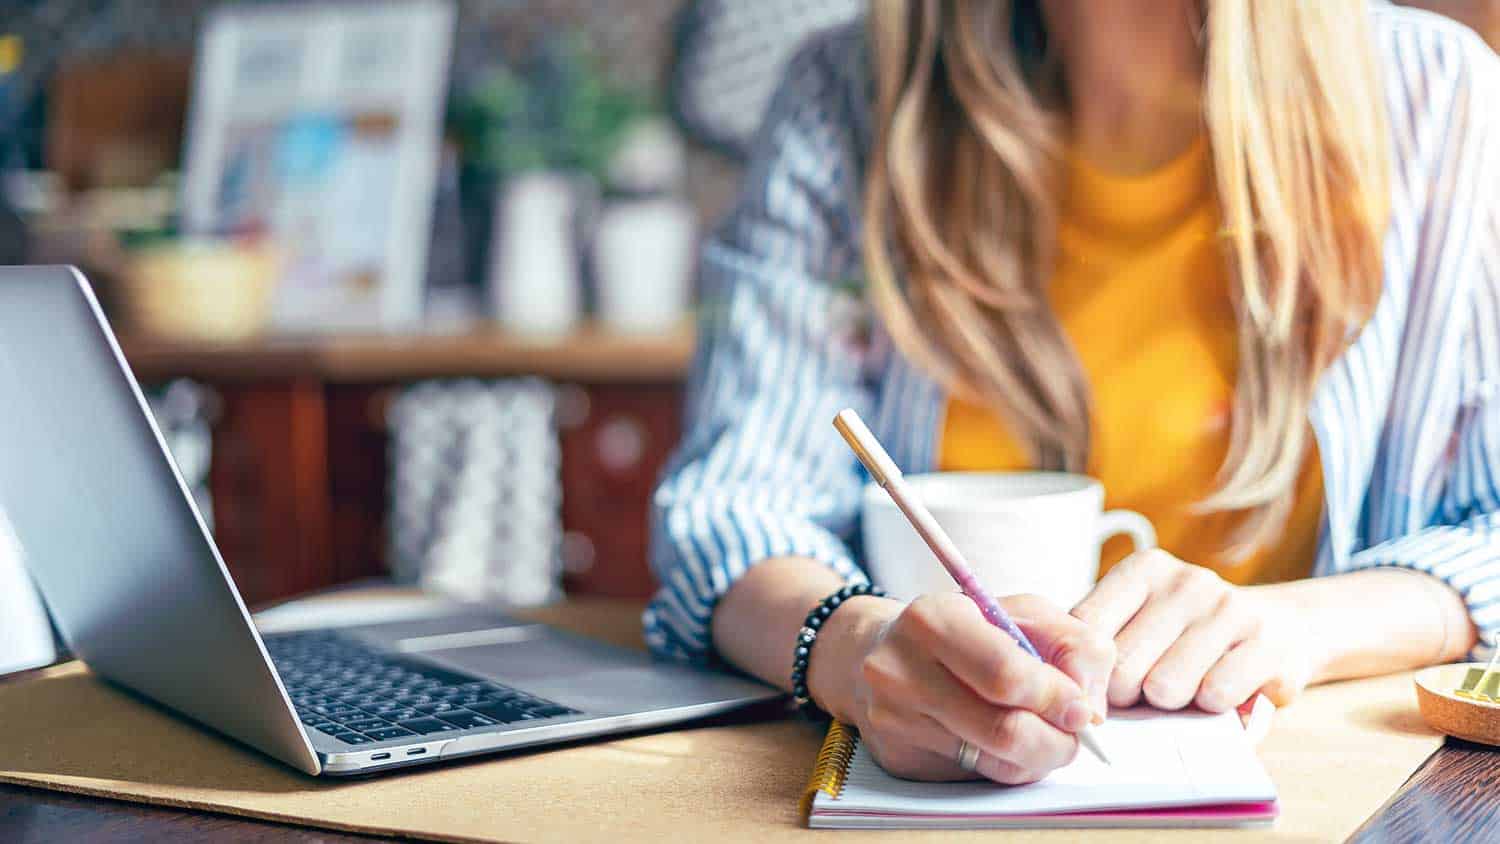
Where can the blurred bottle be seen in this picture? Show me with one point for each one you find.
(644, 244)
(534, 285)
(643, 262)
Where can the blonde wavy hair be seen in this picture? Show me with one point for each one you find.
(961, 212)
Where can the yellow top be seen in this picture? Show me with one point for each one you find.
(1142, 292)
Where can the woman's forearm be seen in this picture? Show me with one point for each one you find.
(1350, 625)
(755, 625)
(1375, 621)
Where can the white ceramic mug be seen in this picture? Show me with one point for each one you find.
(1021, 532)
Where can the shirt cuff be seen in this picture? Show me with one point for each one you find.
(1466, 557)
(703, 560)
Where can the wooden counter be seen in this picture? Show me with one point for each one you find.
(300, 466)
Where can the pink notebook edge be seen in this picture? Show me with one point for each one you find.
(1262, 810)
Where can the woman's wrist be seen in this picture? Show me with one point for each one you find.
(1291, 614)
(843, 641)
(1370, 622)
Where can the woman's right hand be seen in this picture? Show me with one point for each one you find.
(919, 679)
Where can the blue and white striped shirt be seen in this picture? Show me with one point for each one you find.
(1407, 421)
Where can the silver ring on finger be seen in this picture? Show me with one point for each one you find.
(968, 756)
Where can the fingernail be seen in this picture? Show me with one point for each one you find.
(1212, 698)
(1076, 716)
(1095, 692)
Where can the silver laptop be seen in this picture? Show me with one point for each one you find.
(139, 591)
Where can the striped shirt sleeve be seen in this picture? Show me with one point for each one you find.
(761, 472)
(1462, 544)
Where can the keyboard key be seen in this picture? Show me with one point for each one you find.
(366, 724)
(429, 725)
(392, 711)
(352, 738)
(343, 688)
(466, 720)
(384, 733)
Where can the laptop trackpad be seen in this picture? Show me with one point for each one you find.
(592, 682)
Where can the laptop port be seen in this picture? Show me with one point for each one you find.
(376, 757)
(416, 751)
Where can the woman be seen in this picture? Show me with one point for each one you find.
(1240, 262)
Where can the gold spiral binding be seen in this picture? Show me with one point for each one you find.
(832, 767)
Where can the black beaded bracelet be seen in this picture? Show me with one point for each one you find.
(809, 634)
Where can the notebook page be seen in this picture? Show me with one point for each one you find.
(1161, 760)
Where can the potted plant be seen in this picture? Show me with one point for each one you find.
(536, 140)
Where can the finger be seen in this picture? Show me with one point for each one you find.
(990, 664)
(915, 763)
(919, 763)
(1124, 590)
(1006, 773)
(929, 691)
(1193, 594)
(1240, 673)
(1000, 770)
(1176, 677)
(917, 747)
(903, 738)
(921, 749)
(913, 746)
(1073, 647)
(1016, 736)
(1140, 645)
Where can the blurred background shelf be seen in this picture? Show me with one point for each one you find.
(591, 353)
(300, 473)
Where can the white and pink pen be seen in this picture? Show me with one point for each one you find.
(885, 472)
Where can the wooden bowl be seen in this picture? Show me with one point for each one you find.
(1446, 712)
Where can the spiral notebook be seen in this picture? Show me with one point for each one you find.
(1181, 769)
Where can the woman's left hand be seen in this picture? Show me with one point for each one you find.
(1186, 636)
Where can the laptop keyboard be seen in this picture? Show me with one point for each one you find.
(360, 696)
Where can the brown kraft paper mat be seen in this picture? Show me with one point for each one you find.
(1336, 755)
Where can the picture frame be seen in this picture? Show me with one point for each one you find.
(318, 128)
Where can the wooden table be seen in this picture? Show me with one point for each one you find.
(33, 815)
(1454, 796)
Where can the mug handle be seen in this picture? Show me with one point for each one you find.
(1138, 527)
